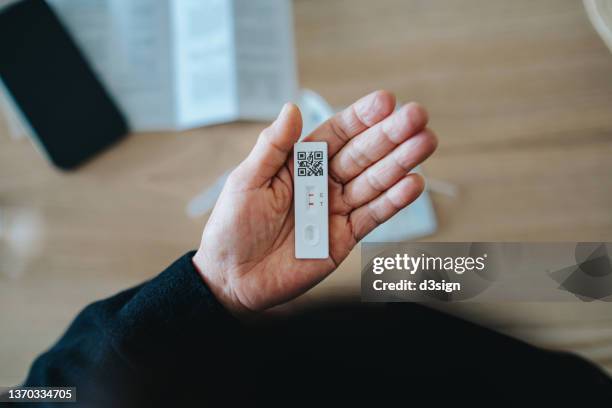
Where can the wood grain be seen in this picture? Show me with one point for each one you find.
(519, 92)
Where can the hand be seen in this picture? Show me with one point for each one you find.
(247, 255)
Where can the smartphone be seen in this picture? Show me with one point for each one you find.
(58, 96)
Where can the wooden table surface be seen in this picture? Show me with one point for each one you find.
(520, 93)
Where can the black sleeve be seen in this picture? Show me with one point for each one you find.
(168, 342)
(129, 347)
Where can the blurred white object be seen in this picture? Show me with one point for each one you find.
(205, 201)
(315, 110)
(600, 14)
(415, 221)
(175, 64)
(442, 187)
(21, 232)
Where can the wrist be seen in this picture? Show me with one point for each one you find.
(218, 284)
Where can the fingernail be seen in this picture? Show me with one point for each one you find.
(284, 109)
(278, 122)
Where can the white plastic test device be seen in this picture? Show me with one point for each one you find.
(311, 200)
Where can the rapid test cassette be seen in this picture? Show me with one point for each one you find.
(311, 200)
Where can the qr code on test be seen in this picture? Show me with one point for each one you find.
(310, 163)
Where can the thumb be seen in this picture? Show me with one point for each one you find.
(272, 148)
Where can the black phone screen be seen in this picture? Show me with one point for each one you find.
(66, 107)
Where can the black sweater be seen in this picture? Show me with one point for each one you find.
(168, 342)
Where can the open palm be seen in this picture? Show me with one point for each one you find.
(247, 255)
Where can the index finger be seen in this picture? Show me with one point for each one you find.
(352, 121)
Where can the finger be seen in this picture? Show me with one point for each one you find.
(345, 125)
(272, 148)
(366, 218)
(374, 143)
(389, 170)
